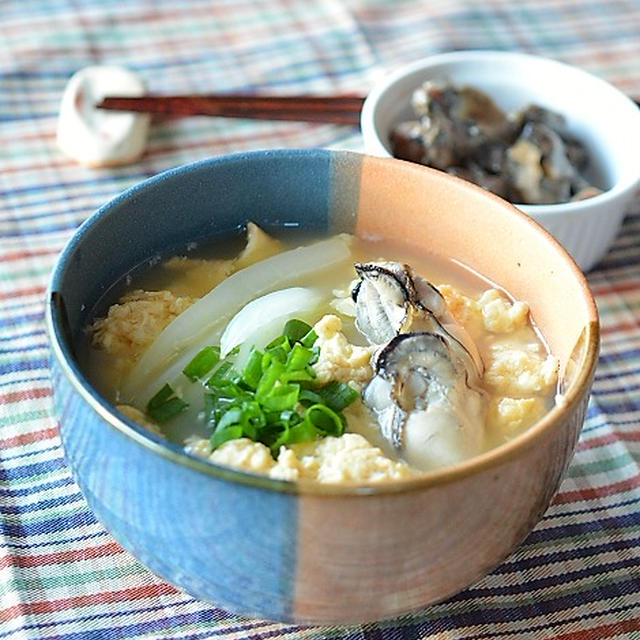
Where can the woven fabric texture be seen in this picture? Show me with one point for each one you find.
(577, 576)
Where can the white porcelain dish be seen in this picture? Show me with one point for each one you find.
(597, 113)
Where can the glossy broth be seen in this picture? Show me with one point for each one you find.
(156, 276)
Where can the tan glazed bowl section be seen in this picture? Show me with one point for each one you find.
(429, 539)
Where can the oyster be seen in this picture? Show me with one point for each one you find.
(454, 125)
(391, 298)
(526, 156)
(539, 167)
(424, 406)
(425, 391)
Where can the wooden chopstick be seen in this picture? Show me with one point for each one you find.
(341, 109)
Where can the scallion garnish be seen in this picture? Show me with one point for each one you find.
(325, 420)
(337, 395)
(298, 358)
(295, 329)
(165, 405)
(309, 338)
(202, 363)
(274, 399)
(252, 371)
(223, 373)
(220, 436)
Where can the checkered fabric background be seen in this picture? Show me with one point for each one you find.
(576, 577)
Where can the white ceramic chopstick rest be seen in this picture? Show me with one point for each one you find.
(96, 137)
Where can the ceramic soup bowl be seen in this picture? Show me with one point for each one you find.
(300, 552)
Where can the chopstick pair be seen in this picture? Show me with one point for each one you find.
(342, 109)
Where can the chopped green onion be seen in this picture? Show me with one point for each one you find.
(224, 371)
(337, 395)
(274, 399)
(230, 417)
(252, 371)
(270, 376)
(202, 363)
(325, 420)
(165, 405)
(295, 330)
(253, 419)
(302, 432)
(299, 357)
(281, 397)
(280, 341)
(279, 353)
(300, 375)
(308, 397)
(221, 436)
(309, 339)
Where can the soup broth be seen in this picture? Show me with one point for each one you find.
(508, 384)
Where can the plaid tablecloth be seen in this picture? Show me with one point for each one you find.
(577, 576)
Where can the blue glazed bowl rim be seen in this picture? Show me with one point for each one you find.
(175, 453)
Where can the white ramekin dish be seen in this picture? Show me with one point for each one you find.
(597, 113)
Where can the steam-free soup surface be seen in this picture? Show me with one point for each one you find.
(473, 370)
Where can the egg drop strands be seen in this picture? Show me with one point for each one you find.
(203, 322)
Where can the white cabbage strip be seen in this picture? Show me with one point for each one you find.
(203, 322)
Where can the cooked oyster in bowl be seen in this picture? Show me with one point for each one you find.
(526, 156)
(425, 391)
